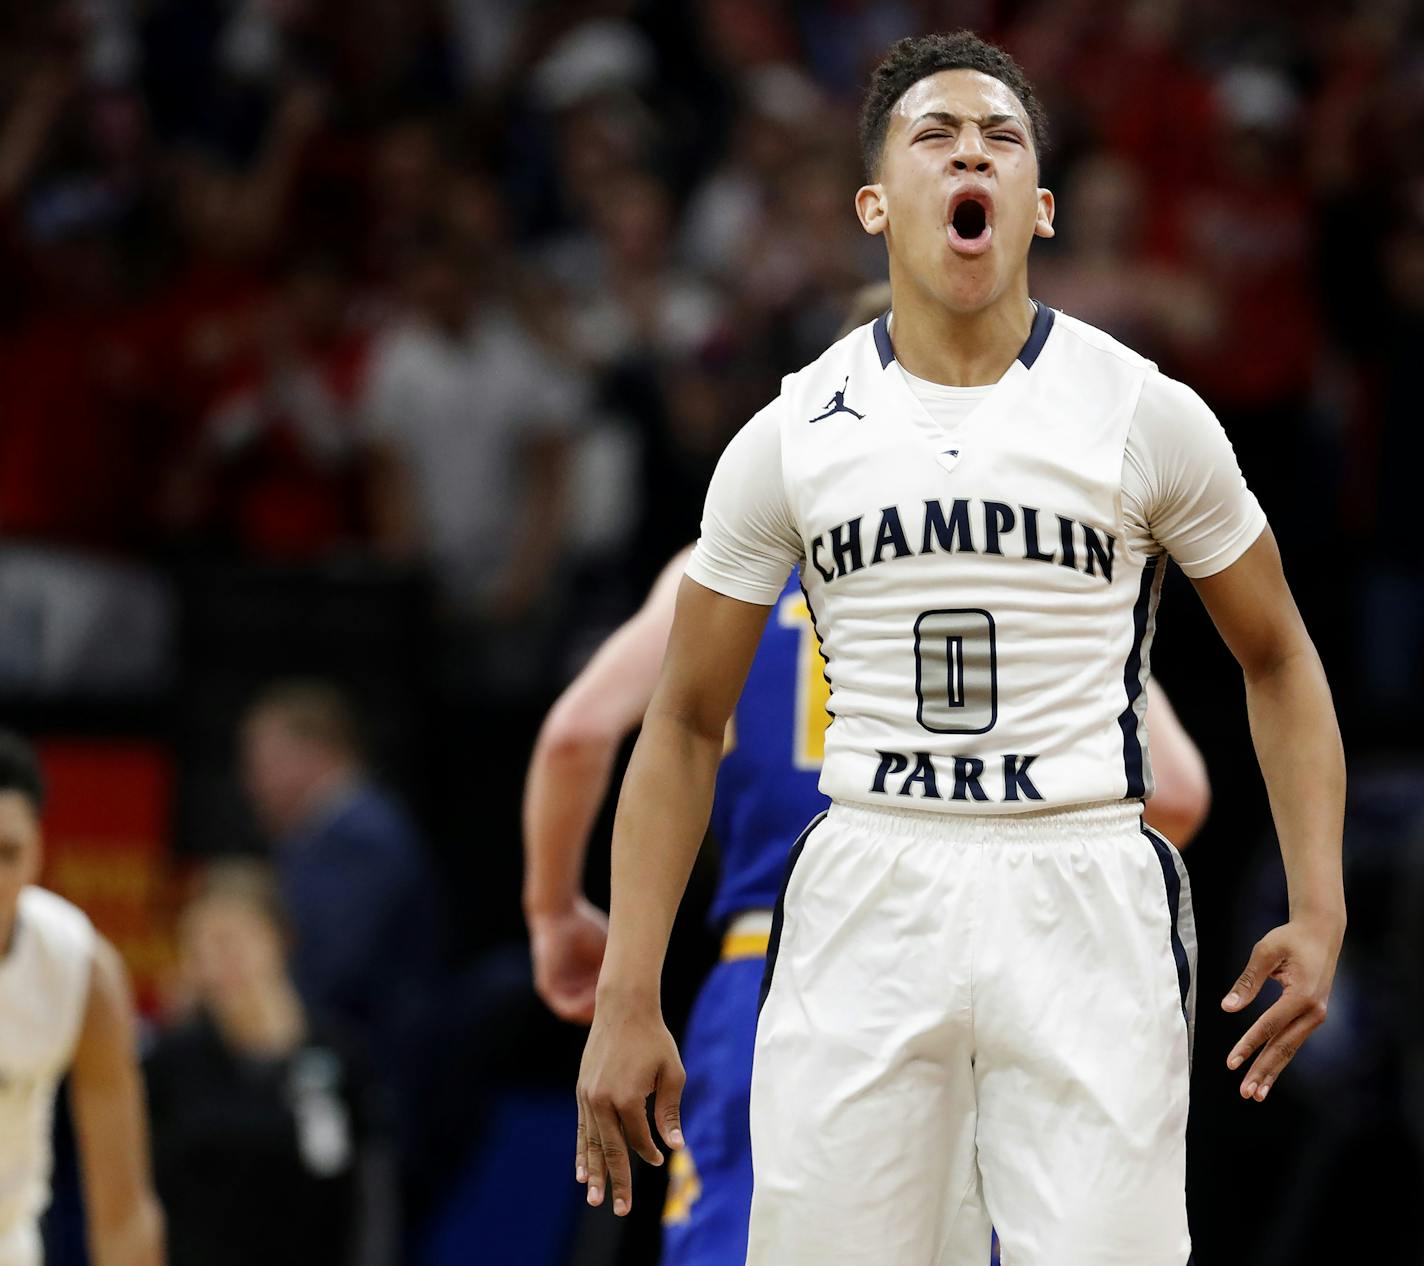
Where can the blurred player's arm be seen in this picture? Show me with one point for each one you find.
(106, 1097)
(1298, 747)
(662, 814)
(1181, 796)
(567, 781)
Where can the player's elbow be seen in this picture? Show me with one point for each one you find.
(570, 738)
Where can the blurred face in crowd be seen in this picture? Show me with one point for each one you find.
(229, 945)
(437, 286)
(634, 219)
(957, 194)
(19, 855)
(1106, 197)
(280, 770)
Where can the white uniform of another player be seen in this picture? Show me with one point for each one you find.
(980, 997)
(44, 991)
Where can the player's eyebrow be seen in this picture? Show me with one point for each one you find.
(953, 120)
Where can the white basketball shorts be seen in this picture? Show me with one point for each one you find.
(970, 1021)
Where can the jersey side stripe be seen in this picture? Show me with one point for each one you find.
(1133, 683)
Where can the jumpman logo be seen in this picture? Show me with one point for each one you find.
(836, 404)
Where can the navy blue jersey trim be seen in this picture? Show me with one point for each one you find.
(882, 339)
(1132, 682)
(1028, 353)
(1173, 883)
(774, 943)
(1037, 335)
(820, 646)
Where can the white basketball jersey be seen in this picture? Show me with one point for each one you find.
(985, 624)
(44, 992)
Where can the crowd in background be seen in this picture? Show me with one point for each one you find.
(458, 301)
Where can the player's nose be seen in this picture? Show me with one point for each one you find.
(970, 153)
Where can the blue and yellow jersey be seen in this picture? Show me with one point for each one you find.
(767, 785)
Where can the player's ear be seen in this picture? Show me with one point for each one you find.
(1043, 221)
(870, 208)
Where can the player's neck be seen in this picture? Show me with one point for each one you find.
(8, 920)
(959, 349)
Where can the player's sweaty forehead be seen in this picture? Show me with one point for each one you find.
(962, 96)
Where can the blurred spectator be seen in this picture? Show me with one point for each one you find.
(1244, 225)
(1391, 623)
(203, 321)
(352, 868)
(469, 420)
(275, 473)
(266, 1149)
(1095, 266)
(631, 300)
(776, 120)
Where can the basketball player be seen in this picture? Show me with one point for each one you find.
(766, 791)
(64, 1009)
(979, 990)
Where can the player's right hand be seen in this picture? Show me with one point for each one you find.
(630, 1056)
(567, 947)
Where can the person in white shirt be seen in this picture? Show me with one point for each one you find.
(65, 1010)
(979, 994)
(469, 422)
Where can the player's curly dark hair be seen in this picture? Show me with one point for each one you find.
(908, 61)
(20, 769)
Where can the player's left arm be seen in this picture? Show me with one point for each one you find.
(106, 1097)
(1298, 746)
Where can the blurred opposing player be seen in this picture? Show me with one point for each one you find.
(64, 1009)
(979, 993)
(766, 792)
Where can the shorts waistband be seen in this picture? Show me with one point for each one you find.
(1070, 822)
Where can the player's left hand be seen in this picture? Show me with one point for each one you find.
(1301, 955)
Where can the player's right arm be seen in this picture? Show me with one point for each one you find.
(106, 1095)
(748, 546)
(662, 814)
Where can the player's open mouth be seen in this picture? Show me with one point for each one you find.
(970, 229)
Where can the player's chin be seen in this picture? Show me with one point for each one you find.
(966, 285)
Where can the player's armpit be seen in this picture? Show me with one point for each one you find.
(106, 1095)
